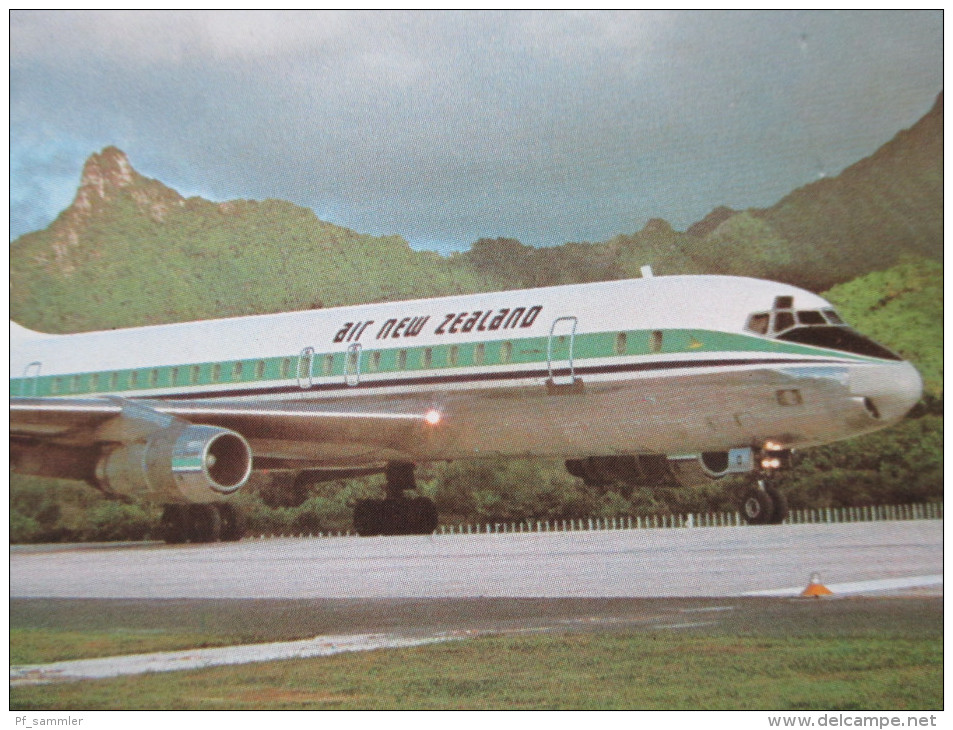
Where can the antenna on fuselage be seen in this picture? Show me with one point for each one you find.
(647, 272)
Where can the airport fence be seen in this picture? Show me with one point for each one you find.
(823, 515)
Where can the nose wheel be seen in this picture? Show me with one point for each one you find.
(764, 504)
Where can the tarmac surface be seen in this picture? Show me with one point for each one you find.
(648, 563)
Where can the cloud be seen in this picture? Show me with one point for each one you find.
(445, 127)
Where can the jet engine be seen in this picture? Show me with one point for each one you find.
(653, 470)
(181, 463)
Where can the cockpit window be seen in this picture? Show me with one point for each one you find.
(821, 328)
(833, 317)
(758, 323)
(783, 321)
(810, 317)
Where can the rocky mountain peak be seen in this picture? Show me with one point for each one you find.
(107, 177)
(104, 173)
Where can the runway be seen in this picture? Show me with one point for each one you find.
(647, 563)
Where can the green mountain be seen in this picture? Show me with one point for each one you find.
(130, 250)
(869, 217)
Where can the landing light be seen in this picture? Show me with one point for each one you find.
(772, 463)
(771, 446)
(433, 417)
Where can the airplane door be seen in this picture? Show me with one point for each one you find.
(352, 364)
(559, 353)
(306, 368)
(32, 375)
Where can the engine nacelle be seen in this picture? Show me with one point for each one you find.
(653, 470)
(177, 464)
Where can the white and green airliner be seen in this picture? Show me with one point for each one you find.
(653, 381)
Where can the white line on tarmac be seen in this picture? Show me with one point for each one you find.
(200, 658)
(864, 586)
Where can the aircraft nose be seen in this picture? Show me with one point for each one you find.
(890, 389)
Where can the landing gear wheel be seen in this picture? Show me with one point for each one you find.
(400, 516)
(758, 506)
(233, 521)
(369, 517)
(172, 527)
(205, 523)
(780, 510)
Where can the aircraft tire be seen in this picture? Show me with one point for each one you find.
(205, 523)
(780, 509)
(422, 518)
(400, 516)
(234, 522)
(757, 507)
(369, 517)
(172, 526)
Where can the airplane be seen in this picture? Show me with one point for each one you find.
(659, 380)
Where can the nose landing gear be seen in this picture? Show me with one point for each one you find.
(764, 504)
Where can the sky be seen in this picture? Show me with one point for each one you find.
(447, 127)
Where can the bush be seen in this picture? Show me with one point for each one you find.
(23, 529)
(115, 521)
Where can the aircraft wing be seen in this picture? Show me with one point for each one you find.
(290, 428)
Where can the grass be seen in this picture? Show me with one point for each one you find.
(764, 654)
(40, 646)
(632, 670)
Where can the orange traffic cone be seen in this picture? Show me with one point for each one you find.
(815, 588)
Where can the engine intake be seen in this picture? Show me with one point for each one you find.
(177, 464)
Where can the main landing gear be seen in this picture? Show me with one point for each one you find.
(396, 514)
(201, 523)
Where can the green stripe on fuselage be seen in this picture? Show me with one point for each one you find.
(523, 351)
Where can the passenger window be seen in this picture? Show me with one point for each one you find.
(375, 363)
(133, 379)
(194, 374)
(113, 381)
(327, 366)
(426, 358)
(57, 385)
(216, 372)
(621, 343)
(506, 352)
(154, 378)
(74, 384)
(656, 341)
(94, 381)
(237, 371)
(260, 370)
(479, 354)
(286, 367)
(174, 376)
(402, 359)
(453, 355)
